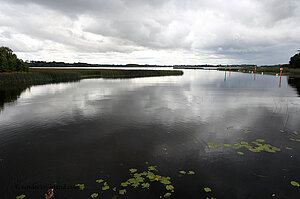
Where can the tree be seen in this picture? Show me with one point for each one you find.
(9, 61)
(295, 61)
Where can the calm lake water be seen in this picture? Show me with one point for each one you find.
(60, 135)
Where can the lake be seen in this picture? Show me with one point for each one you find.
(62, 135)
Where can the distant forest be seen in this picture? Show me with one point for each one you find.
(79, 64)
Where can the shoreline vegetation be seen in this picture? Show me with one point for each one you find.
(44, 76)
(265, 70)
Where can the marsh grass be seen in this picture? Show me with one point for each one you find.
(42, 76)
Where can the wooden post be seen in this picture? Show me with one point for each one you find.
(281, 69)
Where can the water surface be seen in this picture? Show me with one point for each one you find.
(75, 133)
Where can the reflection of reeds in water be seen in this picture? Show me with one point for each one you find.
(13, 84)
(40, 76)
(9, 95)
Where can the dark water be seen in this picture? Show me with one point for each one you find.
(75, 133)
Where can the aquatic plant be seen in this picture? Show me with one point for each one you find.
(94, 195)
(80, 186)
(207, 189)
(255, 146)
(43, 76)
(294, 183)
(21, 196)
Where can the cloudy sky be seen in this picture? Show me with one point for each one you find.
(152, 31)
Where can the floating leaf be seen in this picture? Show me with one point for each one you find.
(124, 184)
(227, 145)
(207, 189)
(294, 183)
(244, 143)
(260, 140)
(105, 187)
(288, 148)
(210, 143)
(230, 127)
(296, 133)
(165, 180)
(99, 181)
(240, 153)
(182, 172)
(20, 196)
(94, 195)
(152, 168)
(191, 173)
(80, 186)
(150, 175)
(145, 185)
(169, 187)
(135, 184)
(167, 195)
(115, 189)
(282, 131)
(246, 131)
(164, 148)
(133, 170)
(122, 191)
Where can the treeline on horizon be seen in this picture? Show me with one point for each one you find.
(79, 64)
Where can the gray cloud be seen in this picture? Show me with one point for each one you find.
(240, 31)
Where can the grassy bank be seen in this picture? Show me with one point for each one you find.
(41, 76)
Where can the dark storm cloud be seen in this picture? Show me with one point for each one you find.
(238, 30)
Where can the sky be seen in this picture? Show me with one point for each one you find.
(164, 32)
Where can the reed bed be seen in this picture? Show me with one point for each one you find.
(41, 76)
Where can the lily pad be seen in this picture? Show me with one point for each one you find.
(282, 131)
(80, 186)
(122, 191)
(124, 184)
(105, 187)
(167, 195)
(230, 127)
(94, 195)
(99, 181)
(240, 153)
(246, 131)
(169, 187)
(207, 189)
(21, 196)
(227, 145)
(294, 183)
(133, 170)
(152, 168)
(288, 148)
(260, 140)
(191, 172)
(145, 185)
(182, 172)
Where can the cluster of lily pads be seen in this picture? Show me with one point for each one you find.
(142, 180)
(258, 145)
